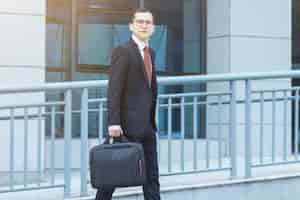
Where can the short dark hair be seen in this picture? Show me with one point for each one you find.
(140, 10)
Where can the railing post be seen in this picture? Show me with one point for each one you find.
(261, 140)
(296, 124)
(195, 134)
(157, 126)
(273, 125)
(207, 136)
(84, 142)
(52, 145)
(39, 147)
(219, 129)
(12, 144)
(285, 130)
(232, 129)
(25, 146)
(182, 128)
(169, 134)
(248, 155)
(100, 122)
(67, 141)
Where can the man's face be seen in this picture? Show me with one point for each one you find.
(142, 25)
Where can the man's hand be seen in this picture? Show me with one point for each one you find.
(115, 131)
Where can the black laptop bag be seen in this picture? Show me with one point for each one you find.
(120, 164)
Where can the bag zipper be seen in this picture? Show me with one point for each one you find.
(140, 167)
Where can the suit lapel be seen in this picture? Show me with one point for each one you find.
(140, 60)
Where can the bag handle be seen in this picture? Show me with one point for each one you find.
(113, 140)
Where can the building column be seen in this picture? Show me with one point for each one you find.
(22, 61)
(251, 36)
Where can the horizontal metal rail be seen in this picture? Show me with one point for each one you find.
(202, 124)
(174, 80)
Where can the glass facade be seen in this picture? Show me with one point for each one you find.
(296, 34)
(295, 55)
(81, 35)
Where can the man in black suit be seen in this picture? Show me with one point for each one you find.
(132, 93)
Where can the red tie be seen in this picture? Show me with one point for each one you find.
(148, 64)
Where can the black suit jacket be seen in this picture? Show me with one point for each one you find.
(131, 101)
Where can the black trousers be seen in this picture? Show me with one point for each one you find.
(152, 188)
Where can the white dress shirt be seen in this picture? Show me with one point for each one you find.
(141, 44)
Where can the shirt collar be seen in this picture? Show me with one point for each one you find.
(141, 45)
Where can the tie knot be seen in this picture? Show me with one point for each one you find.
(146, 49)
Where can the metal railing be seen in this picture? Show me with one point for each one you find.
(223, 112)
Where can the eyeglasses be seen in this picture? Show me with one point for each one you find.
(141, 22)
